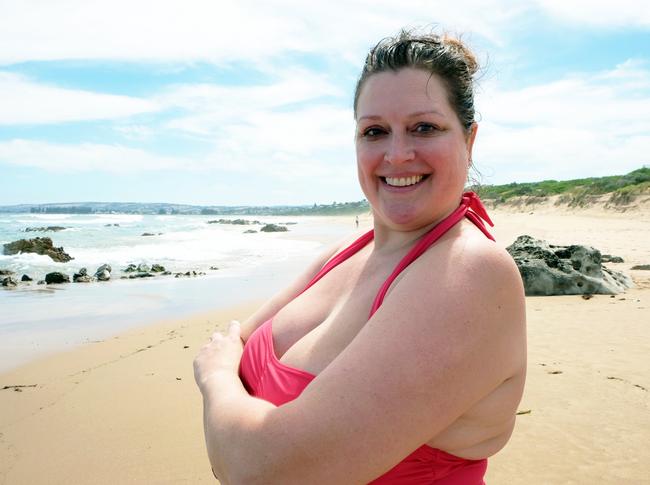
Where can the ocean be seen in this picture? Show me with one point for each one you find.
(39, 319)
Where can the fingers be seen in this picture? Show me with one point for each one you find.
(234, 330)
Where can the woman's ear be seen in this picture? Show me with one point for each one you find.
(471, 136)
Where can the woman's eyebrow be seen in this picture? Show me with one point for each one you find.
(411, 115)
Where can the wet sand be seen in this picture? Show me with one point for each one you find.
(125, 409)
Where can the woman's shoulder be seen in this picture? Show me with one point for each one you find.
(467, 274)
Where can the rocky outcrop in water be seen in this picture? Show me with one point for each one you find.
(45, 229)
(237, 222)
(56, 277)
(274, 228)
(103, 273)
(26, 277)
(8, 282)
(564, 270)
(82, 276)
(39, 245)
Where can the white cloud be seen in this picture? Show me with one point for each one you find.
(87, 157)
(26, 102)
(599, 13)
(573, 127)
(208, 107)
(227, 30)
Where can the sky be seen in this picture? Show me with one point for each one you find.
(215, 102)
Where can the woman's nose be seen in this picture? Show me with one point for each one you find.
(399, 150)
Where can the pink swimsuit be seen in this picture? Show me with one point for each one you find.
(265, 377)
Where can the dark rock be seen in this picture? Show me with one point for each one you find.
(157, 268)
(166, 273)
(140, 275)
(608, 258)
(564, 270)
(8, 281)
(147, 234)
(103, 273)
(39, 245)
(6, 272)
(274, 228)
(82, 276)
(130, 268)
(26, 278)
(214, 268)
(44, 229)
(40, 282)
(109, 225)
(56, 277)
(143, 268)
(250, 231)
(645, 267)
(237, 222)
(105, 267)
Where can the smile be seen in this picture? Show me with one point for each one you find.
(403, 181)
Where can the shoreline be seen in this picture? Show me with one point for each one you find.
(42, 319)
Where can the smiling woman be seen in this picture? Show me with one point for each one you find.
(399, 356)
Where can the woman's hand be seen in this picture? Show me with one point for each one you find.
(221, 354)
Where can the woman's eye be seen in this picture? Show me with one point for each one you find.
(373, 132)
(425, 128)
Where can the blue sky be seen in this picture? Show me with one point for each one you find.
(249, 103)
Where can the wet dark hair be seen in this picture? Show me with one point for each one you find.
(442, 55)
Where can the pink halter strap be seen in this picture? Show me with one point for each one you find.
(470, 207)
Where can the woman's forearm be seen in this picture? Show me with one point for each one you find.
(237, 446)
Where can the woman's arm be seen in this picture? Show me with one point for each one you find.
(449, 333)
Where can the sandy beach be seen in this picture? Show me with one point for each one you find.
(125, 409)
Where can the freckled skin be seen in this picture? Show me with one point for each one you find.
(405, 127)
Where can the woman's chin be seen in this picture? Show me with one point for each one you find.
(400, 216)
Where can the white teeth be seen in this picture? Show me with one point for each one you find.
(404, 181)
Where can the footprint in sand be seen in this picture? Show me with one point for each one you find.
(614, 378)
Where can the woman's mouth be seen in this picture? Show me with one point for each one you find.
(403, 181)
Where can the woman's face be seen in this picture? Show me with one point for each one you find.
(412, 152)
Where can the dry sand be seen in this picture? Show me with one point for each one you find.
(126, 410)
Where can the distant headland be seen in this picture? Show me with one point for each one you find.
(615, 191)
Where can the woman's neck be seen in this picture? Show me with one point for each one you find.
(389, 239)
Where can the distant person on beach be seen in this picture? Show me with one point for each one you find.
(399, 356)
(356, 221)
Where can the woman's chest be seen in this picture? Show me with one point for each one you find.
(313, 329)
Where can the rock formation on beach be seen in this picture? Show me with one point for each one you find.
(274, 228)
(103, 273)
(82, 276)
(56, 277)
(8, 281)
(39, 245)
(564, 270)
